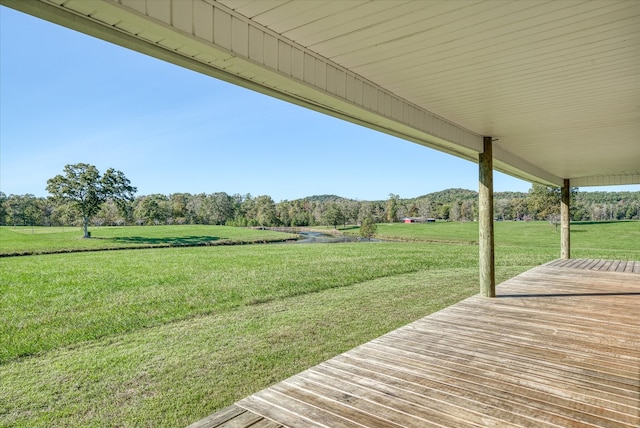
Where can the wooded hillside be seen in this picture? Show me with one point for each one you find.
(540, 203)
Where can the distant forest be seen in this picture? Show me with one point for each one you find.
(540, 203)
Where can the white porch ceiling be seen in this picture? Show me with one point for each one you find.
(556, 83)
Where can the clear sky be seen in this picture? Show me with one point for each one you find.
(67, 98)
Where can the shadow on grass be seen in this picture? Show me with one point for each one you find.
(349, 228)
(599, 222)
(171, 241)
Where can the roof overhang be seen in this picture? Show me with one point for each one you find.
(556, 84)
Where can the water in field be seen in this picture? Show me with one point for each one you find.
(323, 238)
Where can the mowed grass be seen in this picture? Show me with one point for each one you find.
(588, 236)
(164, 337)
(43, 240)
(61, 299)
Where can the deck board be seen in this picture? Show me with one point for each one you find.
(627, 266)
(558, 346)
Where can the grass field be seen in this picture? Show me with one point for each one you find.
(585, 237)
(164, 337)
(43, 240)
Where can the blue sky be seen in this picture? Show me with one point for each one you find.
(67, 98)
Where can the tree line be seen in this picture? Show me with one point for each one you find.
(82, 195)
(220, 208)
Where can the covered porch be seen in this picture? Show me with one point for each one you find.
(543, 91)
(557, 347)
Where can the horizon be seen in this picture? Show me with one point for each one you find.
(67, 98)
(331, 195)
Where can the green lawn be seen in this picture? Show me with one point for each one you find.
(587, 239)
(164, 337)
(42, 240)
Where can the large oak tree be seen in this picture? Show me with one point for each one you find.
(86, 190)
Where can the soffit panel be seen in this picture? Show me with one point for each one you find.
(557, 82)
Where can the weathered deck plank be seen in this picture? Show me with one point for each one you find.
(559, 346)
(598, 264)
(235, 417)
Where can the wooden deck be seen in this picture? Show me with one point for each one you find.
(558, 347)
